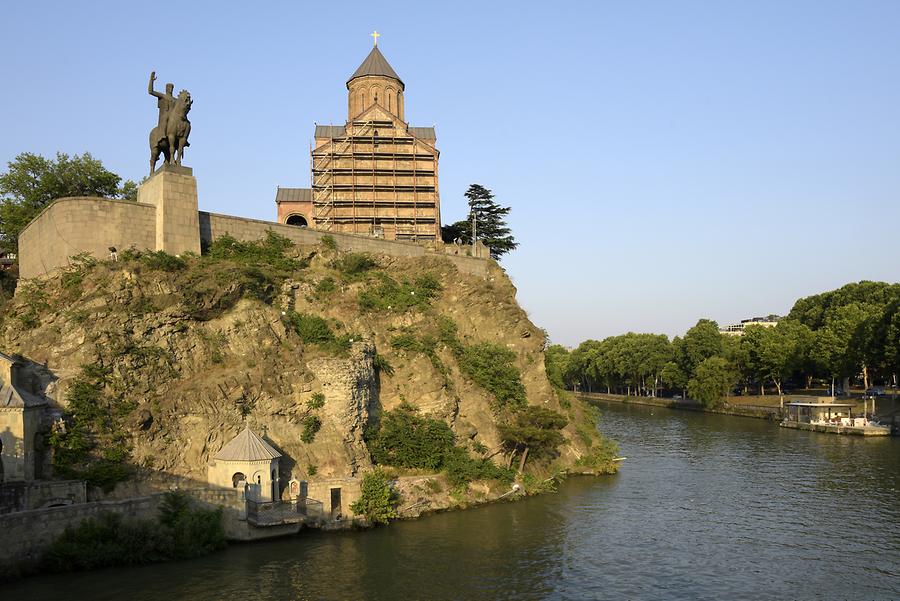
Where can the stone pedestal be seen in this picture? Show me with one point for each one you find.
(173, 191)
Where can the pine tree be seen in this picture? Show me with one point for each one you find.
(490, 223)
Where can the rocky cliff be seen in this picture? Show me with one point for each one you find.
(157, 361)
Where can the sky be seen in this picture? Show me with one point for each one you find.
(664, 161)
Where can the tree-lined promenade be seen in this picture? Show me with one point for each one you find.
(852, 333)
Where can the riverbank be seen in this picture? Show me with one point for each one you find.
(772, 413)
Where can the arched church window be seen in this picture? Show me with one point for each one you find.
(237, 478)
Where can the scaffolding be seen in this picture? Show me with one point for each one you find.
(359, 186)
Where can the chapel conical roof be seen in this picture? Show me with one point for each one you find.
(247, 446)
(375, 64)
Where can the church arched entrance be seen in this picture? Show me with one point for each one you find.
(297, 220)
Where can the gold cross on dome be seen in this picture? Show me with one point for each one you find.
(375, 35)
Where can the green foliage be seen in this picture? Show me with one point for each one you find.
(93, 445)
(32, 182)
(353, 265)
(490, 220)
(271, 252)
(535, 430)
(328, 242)
(405, 439)
(556, 360)
(712, 380)
(313, 329)
(325, 287)
(599, 458)
(162, 261)
(378, 501)
(312, 470)
(316, 401)
(311, 426)
(461, 468)
(388, 294)
(408, 440)
(110, 540)
(492, 367)
(381, 365)
(34, 300)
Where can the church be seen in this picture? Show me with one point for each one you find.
(375, 175)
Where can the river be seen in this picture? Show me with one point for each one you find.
(705, 507)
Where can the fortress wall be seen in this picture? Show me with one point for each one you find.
(71, 226)
(213, 226)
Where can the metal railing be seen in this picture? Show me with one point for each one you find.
(274, 513)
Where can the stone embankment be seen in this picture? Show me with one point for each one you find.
(741, 410)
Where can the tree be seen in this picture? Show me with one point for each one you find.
(32, 182)
(556, 362)
(712, 380)
(532, 429)
(490, 223)
(377, 501)
(774, 353)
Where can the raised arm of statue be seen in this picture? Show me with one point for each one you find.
(150, 89)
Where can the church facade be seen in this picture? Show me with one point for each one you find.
(375, 175)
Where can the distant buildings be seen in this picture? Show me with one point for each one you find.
(738, 328)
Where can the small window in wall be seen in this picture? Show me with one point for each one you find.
(237, 478)
(297, 220)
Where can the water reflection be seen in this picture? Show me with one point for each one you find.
(706, 507)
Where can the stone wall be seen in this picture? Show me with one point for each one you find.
(71, 226)
(213, 226)
(25, 535)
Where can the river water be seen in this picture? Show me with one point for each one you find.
(705, 507)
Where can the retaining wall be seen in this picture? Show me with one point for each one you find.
(71, 226)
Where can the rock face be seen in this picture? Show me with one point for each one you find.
(195, 352)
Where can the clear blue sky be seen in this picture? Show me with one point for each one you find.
(665, 161)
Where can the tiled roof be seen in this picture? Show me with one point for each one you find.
(247, 446)
(330, 131)
(423, 133)
(375, 64)
(293, 195)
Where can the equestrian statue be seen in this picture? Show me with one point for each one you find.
(170, 136)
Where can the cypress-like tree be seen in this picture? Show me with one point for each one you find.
(490, 223)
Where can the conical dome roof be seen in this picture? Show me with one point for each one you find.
(375, 64)
(247, 446)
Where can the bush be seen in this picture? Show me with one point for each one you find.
(353, 264)
(93, 446)
(328, 242)
(404, 439)
(163, 261)
(389, 295)
(461, 468)
(269, 252)
(311, 425)
(312, 329)
(378, 501)
(316, 401)
(491, 367)
(110, 540)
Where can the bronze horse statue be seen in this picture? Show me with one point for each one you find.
(171, 138)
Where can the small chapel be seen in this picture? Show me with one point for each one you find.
(374, 175)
